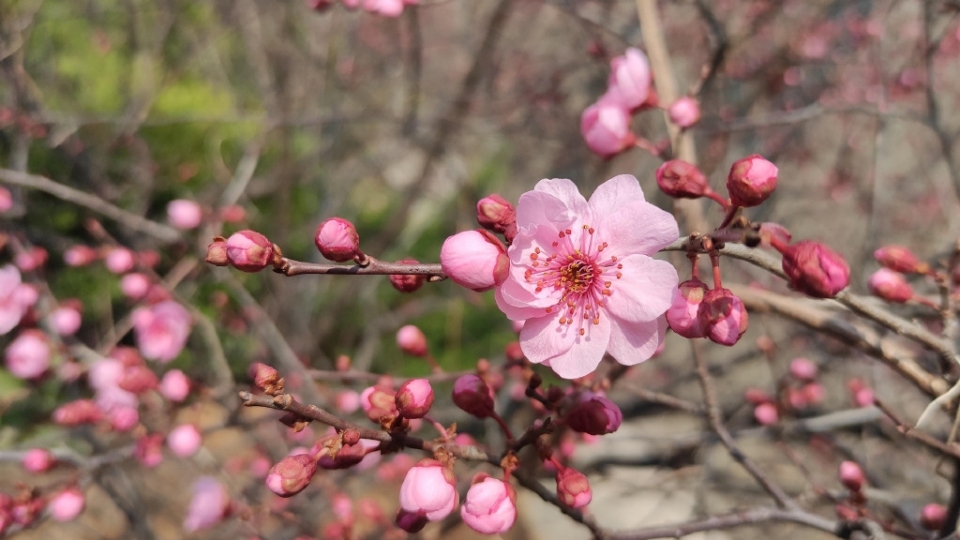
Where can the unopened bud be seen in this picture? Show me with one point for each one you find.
(379, 403)
(337, 240)
(411, 340)
(900, 259)
(472, 394)
(851, 476)
(67, 505)
(414, 398)
(497, 214)
(249, 251)
(766, 414)
(751, 180)
(890, 285)
(266, 378)
(933, 516)
(803, 369)
(291, 475)
(594, 414)
(683, 180)
(75, 413)
(684, 112)
(412, 522)
(407, 283)
(722, 316)
(476, 260)
(815, 269)
(683, 314)
(573, 488)
(38, 460)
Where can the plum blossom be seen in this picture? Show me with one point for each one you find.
(582, 278)
(162, 330)
(15, 298)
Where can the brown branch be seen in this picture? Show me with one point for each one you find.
(735, 519)
(951, 449)
(716, 422)
(161, 232)
(374, 266)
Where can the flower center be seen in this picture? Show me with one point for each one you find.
(579, 271)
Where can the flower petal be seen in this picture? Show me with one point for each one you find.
(512, 306)
(567, 192)
(615, 193)
(644, 291)
(638, 227)
(632, 343)
(541, 208)
(570, 355)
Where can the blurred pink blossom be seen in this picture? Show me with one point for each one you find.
(184, 214)
(162, 330)
(15, 298)
(28, 356)
(208, 506)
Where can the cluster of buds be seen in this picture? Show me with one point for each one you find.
(605, 125)
(699, 311)
(800, 390)
(246, 250)
(385, 8)
(750, 182)
(478, 259)
(890, 282)
(428, 493)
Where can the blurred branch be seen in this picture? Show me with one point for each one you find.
(161, 232)
(414, 69)
(734, 519)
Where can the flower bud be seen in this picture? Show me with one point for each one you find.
(683, 314)
(175, 386)
(136, 285)
(573, 488)
(184, 214)
(412, 522)
(684, 112)
(38, 460)
(851, 476)
(80, 255)
(774, 234)
(148, 450)
(490, 506)
(291, 475)
(815, 269)
(119, 260)
(751, 180)
(184, 440)
(476, 260)
(379, 403)
(65, 320)
(137, 379)
(249, 251)
(31, 259)
(722, 316)
(66, 505)
(337, 240)
(932, 516)
(217, 252)
(630, 79)
(605, 127)
(900, 259)
(803, 369)
(594, 414)
(766, 414)
(411, 340)
(28, 356)
(75, 413)
(347, 456)
(472, 394)
(233, 213)
(890, 286)
(266, 378)
(430, 489)
(414, 398)
(209, 505)
(496, 214)
(682, 180)
(407, 283)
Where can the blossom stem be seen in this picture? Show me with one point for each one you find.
(434, 366)
(439, 427)
(731, 213)
(503, 425)
(654, 149)
(715, 264)
(724, 203)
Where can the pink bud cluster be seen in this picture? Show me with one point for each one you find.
(750, 182)
(698, 311)
(385, 8)
(605, 125)
(890, 282)
(246, 250)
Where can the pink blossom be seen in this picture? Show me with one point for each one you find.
(605, 127)
(803, 369)
(134, 285)
(162, 330)
(751, 180)
(15, 298)
(174, 385)
(723, 317)
(184, 214)
(80, 255)
(387, 8)
(28, 356)
(890, 285)
(473, 395)
(766, 414)
(630, 78)
(6, 203)
(31, 259)
(684, 112)
(148, 450)
(208, 506)
(682, 180)
(120, 260)
(412, 341)
(249, 251)
(573, 488)
(67, 504)
(429, 489)
(582, 277)
(291, 475)
(594, 414)
(347, 401)
(900, 259)
(932, 516)
(814, 268)
(184, 440)
(476, 260)
(65, 320)
(38, 460)
(123, 418)
(683, 315)
(496, 214)
(407, 283)
(851, 476)
(490, 506)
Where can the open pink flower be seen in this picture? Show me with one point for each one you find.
(582, 278)
(162, 330)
